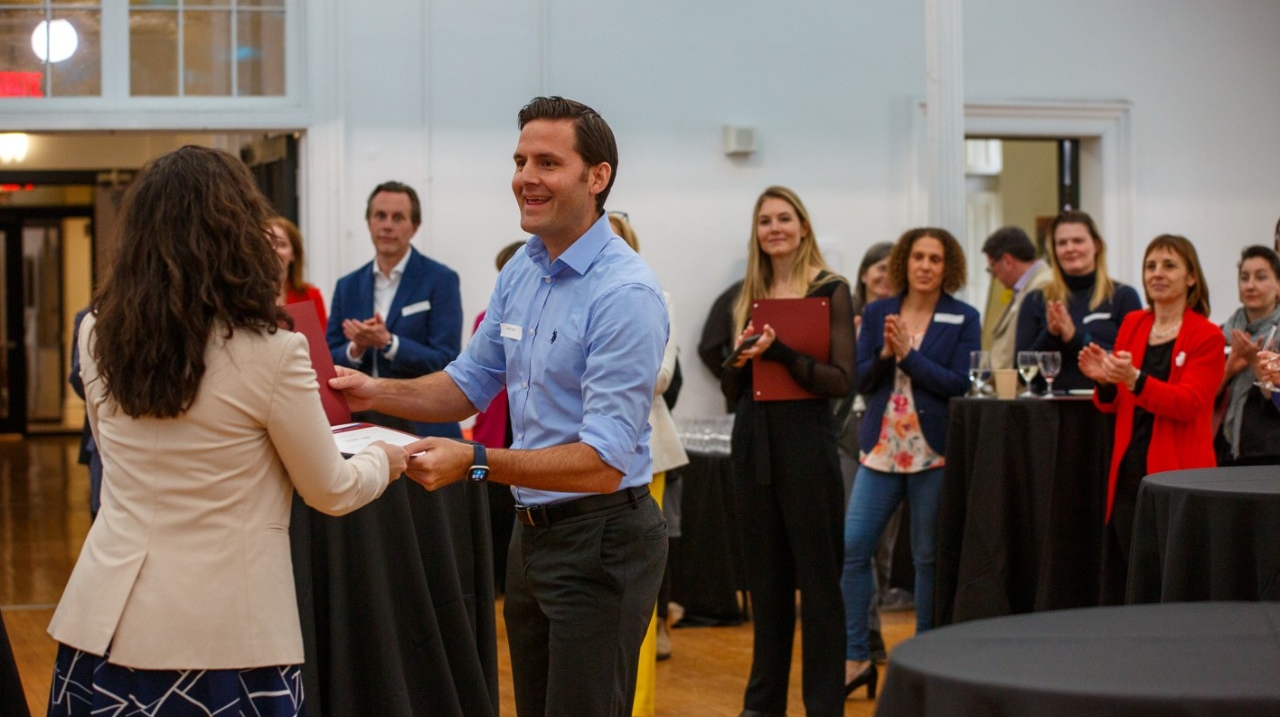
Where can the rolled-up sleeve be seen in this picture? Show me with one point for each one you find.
(626, 334)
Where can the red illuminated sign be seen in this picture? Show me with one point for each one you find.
(21, 84)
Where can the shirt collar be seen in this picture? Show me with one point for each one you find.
(580, 254)
(397, 270)
(1026, 276)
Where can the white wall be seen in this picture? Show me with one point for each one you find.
(1200, 77)
(426, 91)
(826, 85)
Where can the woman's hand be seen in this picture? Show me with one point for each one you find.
(1120, 369)
(1092, 360)
(1267, 368)
(397, 458)
(1058, 321)
(767, 336)
(897, 338)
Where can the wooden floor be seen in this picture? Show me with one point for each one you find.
(44, 517)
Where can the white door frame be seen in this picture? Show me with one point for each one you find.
(1106, 162)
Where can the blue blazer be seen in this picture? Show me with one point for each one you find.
(939, 369)
(426, 315)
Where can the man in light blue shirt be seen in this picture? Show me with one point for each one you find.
(575, 331)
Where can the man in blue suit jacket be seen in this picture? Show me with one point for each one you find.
(388, 592)
(400, 315)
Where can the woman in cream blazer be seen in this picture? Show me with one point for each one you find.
(185, 575)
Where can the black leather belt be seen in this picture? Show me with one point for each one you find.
(542, 516)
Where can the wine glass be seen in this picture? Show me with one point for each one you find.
(979, 371)
(1267, 349)
(1050, 364)
(1028, 367)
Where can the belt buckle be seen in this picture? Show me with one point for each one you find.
(532, 515)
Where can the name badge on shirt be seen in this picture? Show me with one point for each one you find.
(1096, 317)
(956, 319)
(512, 331)
(417, 308)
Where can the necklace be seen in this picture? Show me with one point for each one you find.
(1159, 335)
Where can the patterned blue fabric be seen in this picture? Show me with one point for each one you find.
(85, 684)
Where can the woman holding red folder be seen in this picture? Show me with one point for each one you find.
(784, 453)
(913, 358)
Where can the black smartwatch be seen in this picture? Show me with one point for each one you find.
(479, 470)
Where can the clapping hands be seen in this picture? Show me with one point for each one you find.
(1108, 368)
(1058, 321)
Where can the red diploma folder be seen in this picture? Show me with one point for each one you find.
(803, 325)
(350, 437)
(306, 321)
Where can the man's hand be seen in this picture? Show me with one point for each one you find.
(437, 462)
(368, 334)
(358, 388)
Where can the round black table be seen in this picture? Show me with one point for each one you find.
(1023, 501)
(708, 563)
(1184, 659)
(1207, 534)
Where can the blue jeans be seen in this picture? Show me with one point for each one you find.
(875, 496)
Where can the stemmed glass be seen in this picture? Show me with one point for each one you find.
(1050, 364)
(1269, 345)
(979, 371)
(1028, 367)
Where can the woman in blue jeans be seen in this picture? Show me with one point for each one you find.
(913, 356)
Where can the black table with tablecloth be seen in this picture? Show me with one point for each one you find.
(708, 564)
(1020, 522)
(1207, 534)
(1188, 659)
(397, 604)
(13, 701)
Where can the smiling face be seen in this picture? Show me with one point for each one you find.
(1259, 286)
(779, 228)
(554, 188)
(926, 264)
(876, 280)
(1075, 249)
(1166, 277)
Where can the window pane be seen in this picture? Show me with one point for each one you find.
(22, 2)
(59, 4)
(21, 72)
(260, 54)
(81, 74)
(273, 4)
(153, 3)
(153, 53)
(206, 53)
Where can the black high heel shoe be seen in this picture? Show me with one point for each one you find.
(869, 677)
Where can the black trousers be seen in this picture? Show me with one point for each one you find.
(579, 597)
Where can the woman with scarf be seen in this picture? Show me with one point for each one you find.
(1250, 431)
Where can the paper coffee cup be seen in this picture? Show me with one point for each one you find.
(1006, 383)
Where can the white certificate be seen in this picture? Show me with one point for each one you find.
(355, 437)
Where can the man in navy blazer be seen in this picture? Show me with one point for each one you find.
(400, 315)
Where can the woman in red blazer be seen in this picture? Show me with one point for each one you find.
(1159, 381)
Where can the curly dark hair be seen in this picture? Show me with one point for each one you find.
(953, 272)
(195, 256)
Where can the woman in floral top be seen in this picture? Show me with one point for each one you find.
(913, 356)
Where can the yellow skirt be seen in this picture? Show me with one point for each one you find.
(647, 675)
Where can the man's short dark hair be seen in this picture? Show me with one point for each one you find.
(593, 139)
(415, 206)
(1012, 241)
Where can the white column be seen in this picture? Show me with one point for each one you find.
(944, 40)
